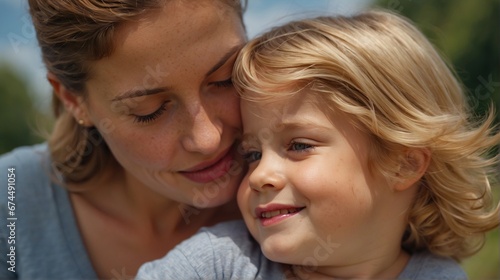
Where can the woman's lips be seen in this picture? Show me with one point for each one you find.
(211, 170)
(274, 213)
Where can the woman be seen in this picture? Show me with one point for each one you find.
(146, 125)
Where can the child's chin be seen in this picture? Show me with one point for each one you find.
(280, 254)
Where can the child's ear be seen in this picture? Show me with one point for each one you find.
(413, 168)
(72, 102)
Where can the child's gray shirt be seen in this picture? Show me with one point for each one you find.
(228, 251)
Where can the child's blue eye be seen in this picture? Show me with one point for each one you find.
(224, 84)
(252, 156)
(297, 146)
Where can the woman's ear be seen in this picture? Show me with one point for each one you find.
(72, 102)
(413, 168)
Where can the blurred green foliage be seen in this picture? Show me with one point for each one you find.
(467, 33)
(17, 112)
(486, 263)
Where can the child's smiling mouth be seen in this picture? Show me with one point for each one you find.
(270, 214)
(274, 213)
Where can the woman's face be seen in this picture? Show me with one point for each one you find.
(165, 105)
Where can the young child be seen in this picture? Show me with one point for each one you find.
(364, 161)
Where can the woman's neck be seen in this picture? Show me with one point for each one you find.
(123, 198)
(124, 224)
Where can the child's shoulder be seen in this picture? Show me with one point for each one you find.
(424, 265)
(234, 230)
(229, 236)
(224, 251)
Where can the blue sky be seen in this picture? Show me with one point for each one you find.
(18, 46)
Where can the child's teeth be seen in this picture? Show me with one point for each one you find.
(271, 214)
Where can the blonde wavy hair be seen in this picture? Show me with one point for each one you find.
(73, 34)
(382, 70)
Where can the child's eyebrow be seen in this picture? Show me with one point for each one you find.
(300, 124)
(250, 137)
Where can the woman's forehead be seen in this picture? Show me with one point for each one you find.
(174, 41)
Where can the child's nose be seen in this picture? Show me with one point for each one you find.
(268, 175)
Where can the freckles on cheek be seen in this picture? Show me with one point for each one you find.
(232, 112)
(314, 182)
(243, 193)
(134, 149)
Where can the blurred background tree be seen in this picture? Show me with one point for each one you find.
(467, 34)
(17, 112)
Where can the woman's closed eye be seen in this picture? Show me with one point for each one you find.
(153, 116)
(223, 84)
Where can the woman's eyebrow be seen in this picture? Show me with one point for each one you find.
(139, 92)
(224, 59)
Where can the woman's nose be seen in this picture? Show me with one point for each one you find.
(205, 133)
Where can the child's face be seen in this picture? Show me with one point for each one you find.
(308, 197)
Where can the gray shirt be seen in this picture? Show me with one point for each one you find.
(227, 251)
(43, 240)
